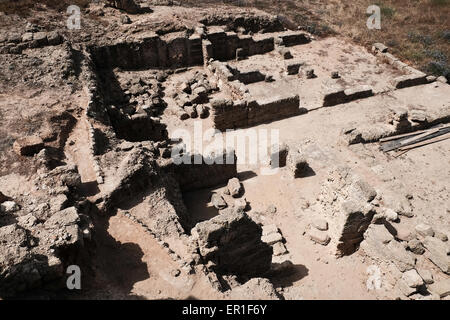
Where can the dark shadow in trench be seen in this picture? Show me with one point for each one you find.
(289, 275)
(197, 205)
(89, 188)
(118, 265)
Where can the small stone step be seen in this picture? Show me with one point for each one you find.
(272, 238)
(319, 237)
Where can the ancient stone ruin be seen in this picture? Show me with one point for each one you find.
(90, 174)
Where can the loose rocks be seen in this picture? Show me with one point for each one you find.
(441, 288)
(297, 164)
(412, 278)
(416, 246)
(272, 238)
(279, 249)
(319, 237)
(438, 253)
(320, 224)
(218, 202)
(234, 187)
(424, 230)
(9, 207)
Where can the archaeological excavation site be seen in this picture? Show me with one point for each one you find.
(153, 150)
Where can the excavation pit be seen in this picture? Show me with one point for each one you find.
(335, 205)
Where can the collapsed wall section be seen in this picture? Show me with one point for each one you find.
(399, 120)
(136, 127)
(138, 174)
(230, 243)
(167, 215)
(36, 245)
(346, 200)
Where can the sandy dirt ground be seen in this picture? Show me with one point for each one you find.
(422, 172)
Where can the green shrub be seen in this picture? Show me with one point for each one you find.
(420, 38)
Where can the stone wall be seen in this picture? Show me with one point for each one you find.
(409, 80)
(177, 50)
(151, 51)
(230, 243)
(228, 114)
(93, 151)
(229, 74)
(138, 173)
(137, 127)
(198, 176)
(224, 44)
(293, 38)
(338, 96)
(412, 76)
(30, 40)
(248, 21)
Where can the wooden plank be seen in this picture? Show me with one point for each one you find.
(423, 143)
(422, 137)
(401, 136)
(404, 135)
(398, 154)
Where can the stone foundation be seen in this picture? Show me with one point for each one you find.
(293, 38)
(151, 51)
(198, 176)
(224, 44)
(137, 127)
(230, 243)
(346, 95)
(176, 50)
(227, 114)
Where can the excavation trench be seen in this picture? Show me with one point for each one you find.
(155, 84)
(151, 193)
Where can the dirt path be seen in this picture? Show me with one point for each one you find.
(78, 150)
(129, 263)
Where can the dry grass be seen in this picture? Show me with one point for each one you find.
(417, 31)
(414, 30)
(25, 8)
